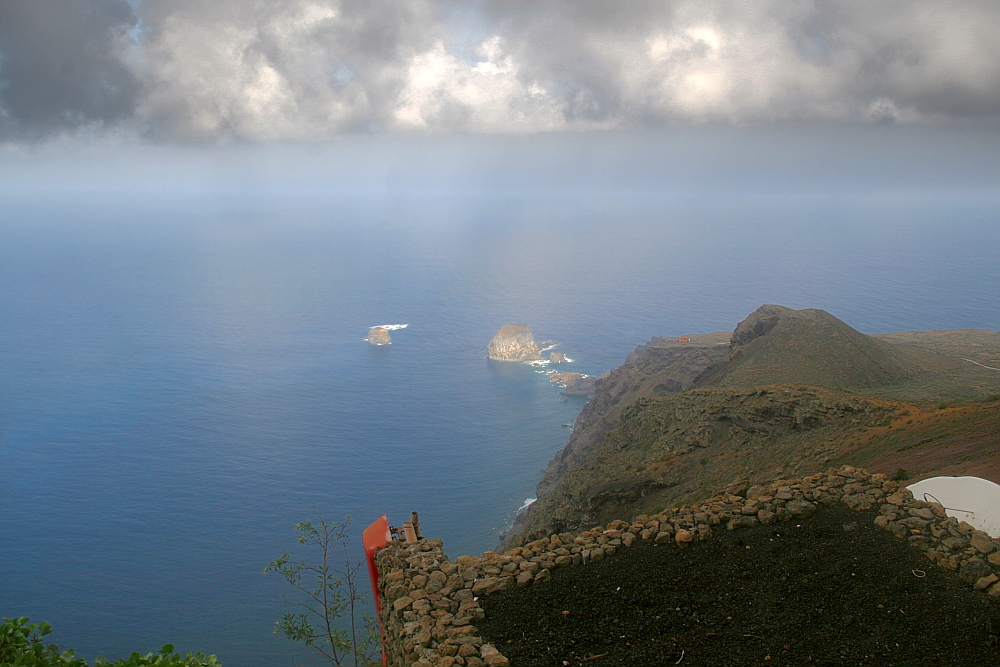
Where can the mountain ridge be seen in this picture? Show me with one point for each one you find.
(686, 416)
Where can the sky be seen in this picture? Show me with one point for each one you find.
(155, 82)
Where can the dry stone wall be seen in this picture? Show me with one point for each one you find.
(430, 604)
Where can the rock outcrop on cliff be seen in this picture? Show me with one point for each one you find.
(379, 336)
(573, 384)
(513, 342)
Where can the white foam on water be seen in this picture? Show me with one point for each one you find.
(390, 327)
(527, 502)
(538, 362)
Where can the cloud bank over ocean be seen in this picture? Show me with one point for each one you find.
(179, 71)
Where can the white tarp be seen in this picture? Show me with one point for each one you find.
(971, 499)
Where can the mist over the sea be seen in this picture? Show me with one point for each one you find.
(185, 374)
(205, 206)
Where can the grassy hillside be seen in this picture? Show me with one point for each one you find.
(779, 345)
(793, 392)
(667, 451)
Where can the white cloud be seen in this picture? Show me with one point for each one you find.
(287, 70)
(446, 92)
(312, 69)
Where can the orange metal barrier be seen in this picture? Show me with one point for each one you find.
(374, 538)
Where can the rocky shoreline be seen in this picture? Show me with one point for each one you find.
(573, 384)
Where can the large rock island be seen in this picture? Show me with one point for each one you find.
(513, 342)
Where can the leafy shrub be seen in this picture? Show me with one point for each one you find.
(328, 588)
(22, 644)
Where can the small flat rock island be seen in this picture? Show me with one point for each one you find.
(379, 336)
(513, 342)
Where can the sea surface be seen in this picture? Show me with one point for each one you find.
(183, 379)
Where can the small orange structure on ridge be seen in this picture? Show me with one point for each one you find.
(376, 536)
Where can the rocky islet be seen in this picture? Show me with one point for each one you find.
(513, 343)
(379, 336)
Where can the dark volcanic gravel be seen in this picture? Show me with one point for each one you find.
(829, 590)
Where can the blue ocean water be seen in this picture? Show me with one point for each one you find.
(182, 380)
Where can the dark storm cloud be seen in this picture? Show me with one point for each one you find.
(311, 69)
(61, 65)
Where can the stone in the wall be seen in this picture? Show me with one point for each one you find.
(429, 604)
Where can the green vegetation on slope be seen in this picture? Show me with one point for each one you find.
(793, 392)
(22, 644)
(778, 345)
(664, 451)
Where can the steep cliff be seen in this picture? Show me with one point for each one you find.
(513, 342)
(662, 367)
(662, 451)
(379, 336)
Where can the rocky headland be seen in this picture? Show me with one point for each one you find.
(514, 343)
(557, 358)
(787, 392)
(379, 336)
